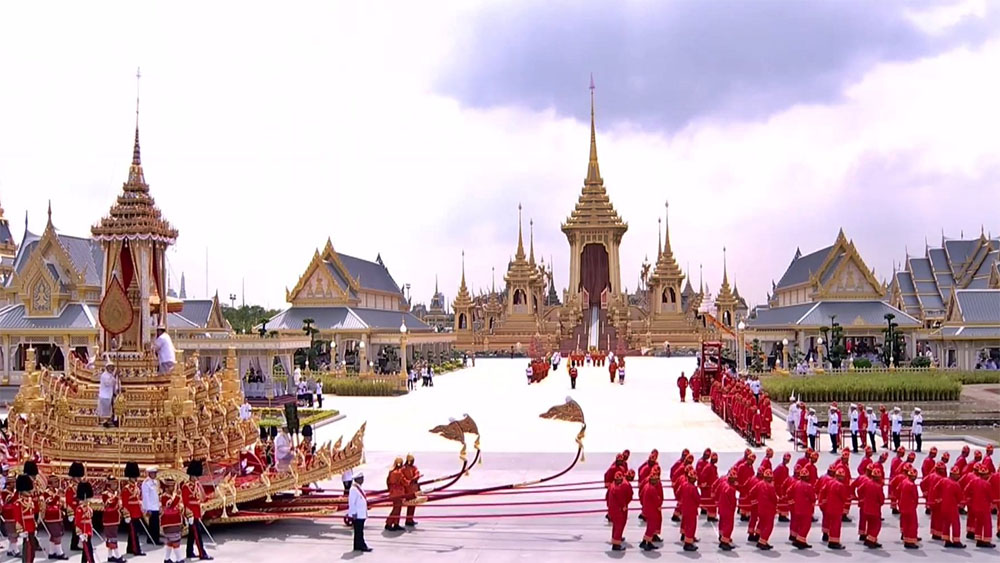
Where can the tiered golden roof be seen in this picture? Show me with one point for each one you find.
(520, 269)
(666, 265)
(463, 300)
(594, 208)
(135, 214)
(725, 299)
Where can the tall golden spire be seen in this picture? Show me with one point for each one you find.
(462, 300)
(531, 238)
(666, 206)
(135, 170)
(520, 238)
(593, 169)
(659, 238)
(725, 298)
(666, 271)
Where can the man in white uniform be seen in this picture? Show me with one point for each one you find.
(897, 426)
(283, 450)
(872, 426)
(245, 410)
(792, 421)
(106, 394)
(151, 504)
(164, 348)
(357, 511)
(854, 427)
(833, 428)
(811, 429)
(918, 428)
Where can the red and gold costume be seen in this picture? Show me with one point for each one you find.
(781, 482)
(688, 499)
(725, 494)
(131, 499)
(707, 477)
(411, 476)
(948, 497)
(980, 501)
(908, 499)
(396, 483)
(25, 510)
(765, 498)
(803, 495)
(52, 516)
(651, 500)
(871, 513)
(9, 499)
(112, 516)
(83, 519)
(682, 386)
(619, 496)
(192, 497)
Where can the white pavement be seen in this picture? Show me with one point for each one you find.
(644, 413)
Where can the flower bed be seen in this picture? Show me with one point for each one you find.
(361, 387)
(865, 388)
(276, 417)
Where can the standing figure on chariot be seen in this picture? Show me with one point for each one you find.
(83, 518)
(112, 501)
(193, 495)
(131, 499)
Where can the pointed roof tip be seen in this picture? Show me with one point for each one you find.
(520, 236)
(50, 212)
(593, 168)
(531, 238)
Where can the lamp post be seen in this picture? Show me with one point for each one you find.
(819, 351)
(402, 349)
(362, 357)
(741, 359)
(784, 353)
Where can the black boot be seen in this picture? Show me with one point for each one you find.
(835, 545)
(985, 544)
(690, 547)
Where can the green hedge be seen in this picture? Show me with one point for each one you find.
(976, 377)
(356, 387)
(864, 388)
(275, 417)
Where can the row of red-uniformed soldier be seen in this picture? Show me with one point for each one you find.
(792, 495)
(746, 412)
(29, 501)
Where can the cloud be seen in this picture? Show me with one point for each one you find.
(662, 65)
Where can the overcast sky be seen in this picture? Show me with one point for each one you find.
(413, 129)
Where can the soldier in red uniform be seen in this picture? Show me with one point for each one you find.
(572, 376)
(874, 498)
(962, 461)
(688, 500)
(112, 501)
(9, 499)
(988, 460)
(646, 469)
(696, 388)
(766, 500)
(948, 496)
(883, 426)
(863, 425)
(682, 386)
(609, 478)
(411, 476)
(927, 467)
(803, 495)
(619, 496)
(76, 473)
(613, 370)
(743, 475)
(52, 516)
(651, 500)
(725, 493)
(396, 484)
(83, 519)
(192, 495)
(25, 509)
(908, 498)
(676, 480)
(171, 525)
(838, 493)
(781, 482)
(707, 477)
(131, 500)
(928, 485)
(699, 465)
(980, 501)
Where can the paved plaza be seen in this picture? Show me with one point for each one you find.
(518, 447)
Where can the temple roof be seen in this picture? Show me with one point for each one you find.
(979, 306)
(462, 300)
(594, 209)
(725, 298)
(74, 316)
(135, 215)
(666, 265)
(802, 267)
(847, 313)
(345, 318)
(85, 254)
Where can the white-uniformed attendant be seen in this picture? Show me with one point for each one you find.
(357, 511)
(918, 427)
(854, 427)
(812, 428)
(897, 426)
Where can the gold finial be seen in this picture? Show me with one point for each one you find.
(725, 273)
(136, 161)
(520, 238)
(659, 238)
(593, 169)
(463, 269)
(531, 238)
(50, 212)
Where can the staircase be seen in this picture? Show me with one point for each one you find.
(594, 334)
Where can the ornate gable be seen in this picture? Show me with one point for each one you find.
(844, 274)
(317, 285)
(215, 319)
(954, 315)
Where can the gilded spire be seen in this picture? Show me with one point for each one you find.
(462, 300)
(531, 238)
(667, 271)
(725, 299)
(659, 238)
(666, 207)
(520, 238)
(593, 169)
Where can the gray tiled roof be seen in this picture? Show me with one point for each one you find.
(175, 320)
(779, 317)
(931, 302)
(921, 268)
(905, 282)
(802, 267)
(5, 236)
(959, 251)
(979, 306)
(984, 332)
(86, 255)
(326, 318)
(197, 311)
(377, 318)
(832, 268)
(872, 313)
(371, 275)
(73, 316)
(938, 260)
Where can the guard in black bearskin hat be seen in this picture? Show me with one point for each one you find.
(76, 473)
(132, 504)
(24, 518)
(192, 495)
(83, 518)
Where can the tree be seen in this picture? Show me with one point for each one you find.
(246, 318)
(892, 350)
(834, 337)
(756, 357)
(311, 331)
